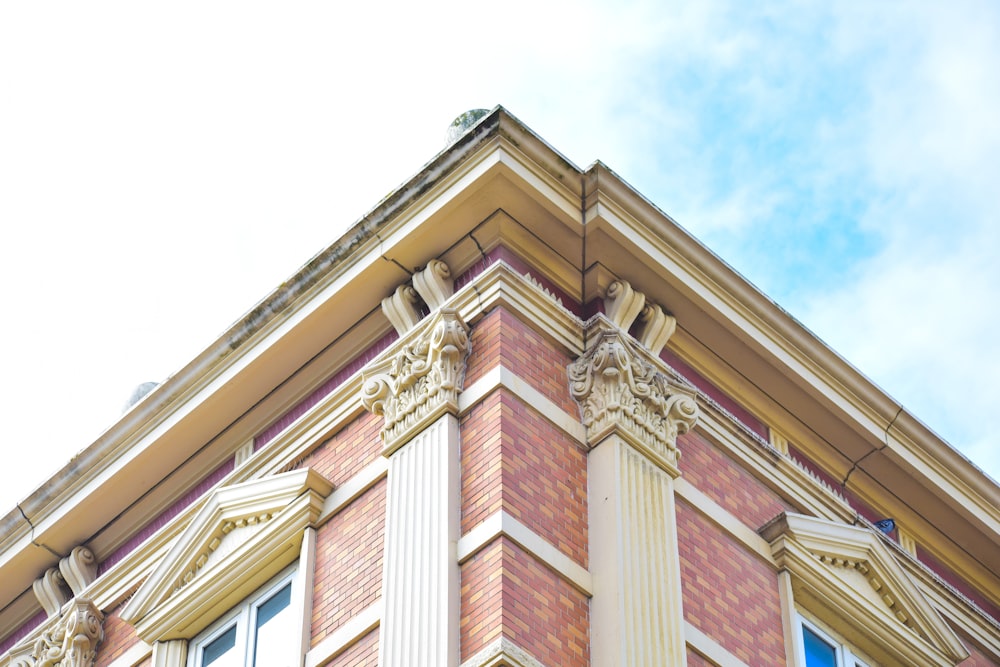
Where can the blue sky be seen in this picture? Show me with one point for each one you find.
(163, 168)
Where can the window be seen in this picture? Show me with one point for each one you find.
(822, 650)
(254, 634)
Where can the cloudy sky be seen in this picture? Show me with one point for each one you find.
(165, 165)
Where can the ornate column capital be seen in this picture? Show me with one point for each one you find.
(421, 381)
(620, 391)
(72, 642)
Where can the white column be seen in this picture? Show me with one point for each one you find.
(636, 613)
(171, 653)
(416, 391)
(633, 413)
(420, 580)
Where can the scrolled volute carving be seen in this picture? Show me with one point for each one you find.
(622, 304)
(434, 283)
(619, 390)
(401, 308)
(72, 642)
(421, 381)
(79, 569)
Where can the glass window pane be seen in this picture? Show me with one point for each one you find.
(818, 652)
(273, 630)
(221, 651)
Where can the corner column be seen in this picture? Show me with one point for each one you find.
(416, 390)
(633, 414)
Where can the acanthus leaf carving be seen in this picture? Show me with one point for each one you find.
(72, 642)
(619, 389)
(421, 381)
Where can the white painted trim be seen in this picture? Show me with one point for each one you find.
(709, 649)
(133, 656)
(345, 636)
(302, 591)
(721, 517)
(350, 490)
(502, 652)
(498, 377)
(502, 523)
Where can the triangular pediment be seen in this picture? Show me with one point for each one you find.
(846, 571)
(243, 535)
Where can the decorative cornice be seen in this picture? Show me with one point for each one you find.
(619, 390)
(71, 643)
(421, 381)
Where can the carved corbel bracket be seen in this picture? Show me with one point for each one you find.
(656, 329)
(620, 391)
(50, 591)
(72, 642)
(622, 305)
(401, 308)
(421, 381)
(79, 569)
(433, 284)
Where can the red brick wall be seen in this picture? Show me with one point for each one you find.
(729, 594)
(514, 459)
(348, 576)
(119, 636)
(977, 658)
(695, 660)
(501, 339)
(727, 483)
(349, 450)
(363, 653)
(506, 592)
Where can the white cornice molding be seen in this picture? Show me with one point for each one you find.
(849, 572)
(240, 538)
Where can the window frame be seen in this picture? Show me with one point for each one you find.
(243, 618)
(846, 655)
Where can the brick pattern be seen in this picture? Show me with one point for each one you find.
(119, 636)
(505, 592)
(348, 576)
(515, 460)
(323, 390)
(501, 338)
(349, 450)
(727, 482)
(729, 594)
(363, 653)
(716, 394)
(695, 660)
(977, 658)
